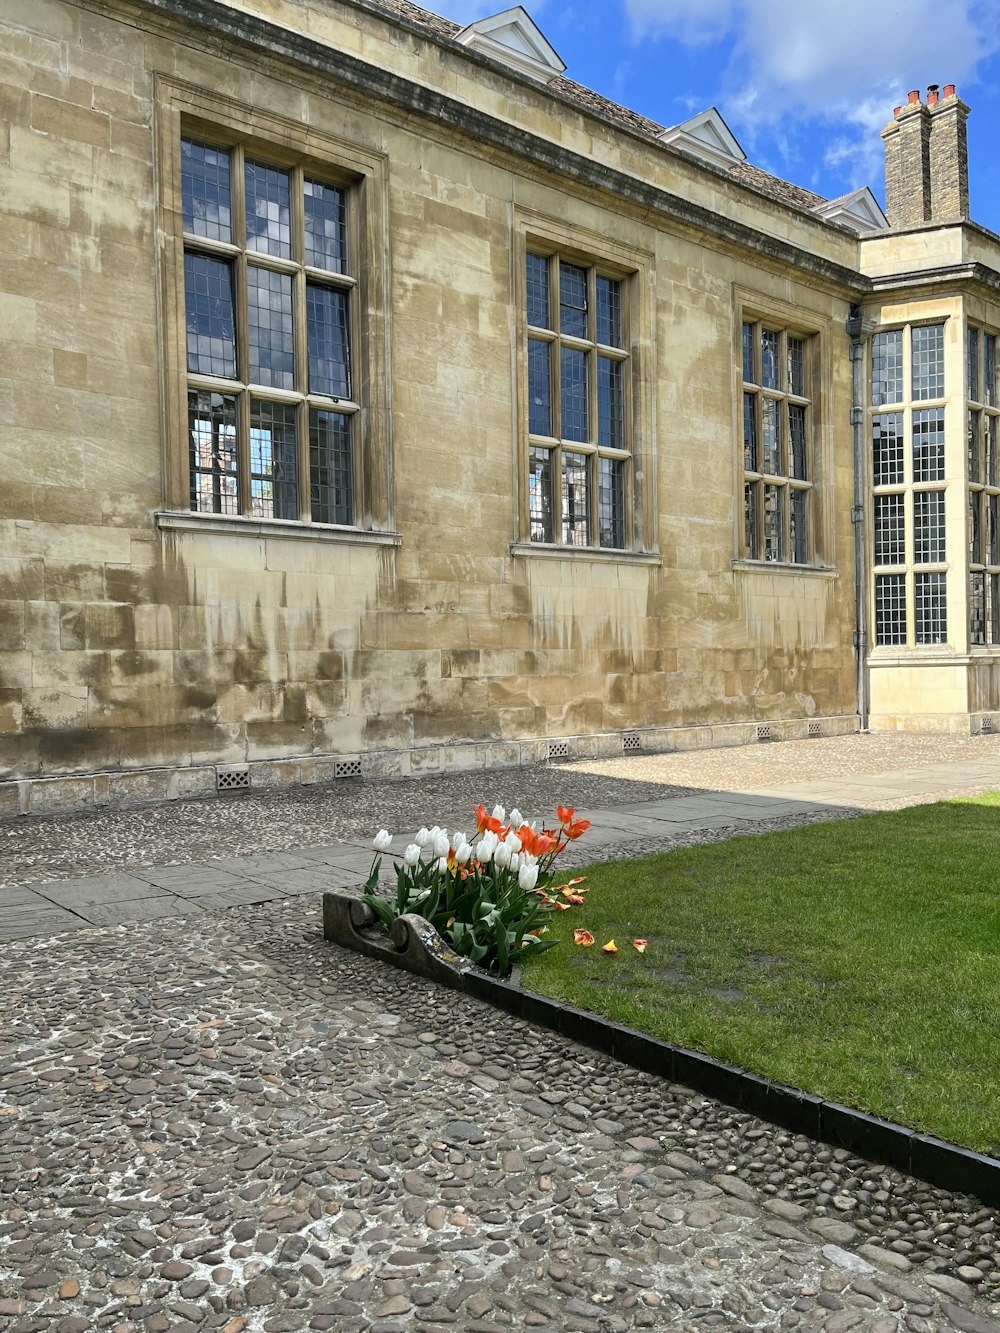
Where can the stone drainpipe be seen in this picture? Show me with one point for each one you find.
(859, 330)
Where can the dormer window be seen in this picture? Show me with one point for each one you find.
(513, 38)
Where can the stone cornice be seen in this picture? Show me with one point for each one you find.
(343, 70)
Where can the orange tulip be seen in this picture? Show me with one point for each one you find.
(565, 814)
(576, 828)
(560, 907)
(639, 945)
(583, 937)
(610, 947)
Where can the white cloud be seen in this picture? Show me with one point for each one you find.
(694, 22)
(844, 62)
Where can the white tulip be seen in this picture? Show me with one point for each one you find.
(499, 813)
(382, 840)
(528, 860)
(457, 839)
(513, 842)
(440, 845)
(516, 818)
(515, 862)
(485, 850)
(423, 837)
(502, 855)
(442, 865)
(527, 877)
(463, 853)
(412, 855)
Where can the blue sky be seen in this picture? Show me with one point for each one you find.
(805, 85)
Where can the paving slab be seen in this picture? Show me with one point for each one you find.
(98, 889)
(137, 909)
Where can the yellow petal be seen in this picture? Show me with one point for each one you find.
(610, 947)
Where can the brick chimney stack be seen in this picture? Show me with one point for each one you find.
(927, 159)
(949, 158)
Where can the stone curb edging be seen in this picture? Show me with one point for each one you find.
(416, 947)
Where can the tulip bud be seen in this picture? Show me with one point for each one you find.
(463, 853)
(412, 855)
(513, 842)
(527, 877)
(499, 813)
(516, 819)
(442, 864)
(382, 840)
(502, 856)
(423, 837)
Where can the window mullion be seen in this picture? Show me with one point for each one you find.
(301, 335)
(239, 216)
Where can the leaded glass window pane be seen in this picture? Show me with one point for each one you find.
(990, 444)
(772, 435)
(573, 390)
(799, 519)
(273, 460)
(927, 345)
(975, 533)
(213, 452)
(989, 370)
(748, 366)
(610, 419)
(890, 530)
(331, 467)
(539, 387)
(576, 499)
(928, 527)
(797, 440)
(205, 191)
(992, 530)
(540, 495)
(268, 210)
(211, 333)
(611, 501)
(890, 609)
(573, 300)
(750, 521)
(930, 608)
(609, 312)
(993, 588)
(975, 418)
(972, 363)
(538, 292)
(774, 525)
(928, 445)
(887, 449)
(770, 369)
(977, 606)
(750, 459)
(328, 341)
(887, 367)
(271, 334)
(796, 366)
(325, 226)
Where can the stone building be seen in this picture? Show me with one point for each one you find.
(378, 400)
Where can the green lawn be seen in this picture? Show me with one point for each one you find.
(859, 960)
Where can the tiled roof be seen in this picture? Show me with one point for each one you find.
(743, 172)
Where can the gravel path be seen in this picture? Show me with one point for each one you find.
(252, 1131)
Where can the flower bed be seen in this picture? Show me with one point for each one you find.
(488, 896)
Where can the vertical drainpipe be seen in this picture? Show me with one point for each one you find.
(859, 330)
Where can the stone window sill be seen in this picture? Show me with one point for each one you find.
(233, 525)
(553, 551)
(784, 567)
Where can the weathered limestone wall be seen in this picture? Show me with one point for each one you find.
(125, 646)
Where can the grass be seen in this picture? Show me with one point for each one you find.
(859, 960)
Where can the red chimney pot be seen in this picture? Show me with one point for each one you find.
(949, 90)
(932, 94)
(913, 97)
(896, 111)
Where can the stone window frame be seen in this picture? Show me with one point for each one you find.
(982, 463)
(788, 322)
(905, 585)
(538, 234)
(184, 111)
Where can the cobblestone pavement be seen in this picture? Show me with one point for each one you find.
(241, 1127)
(56, 846)
(248, 1129)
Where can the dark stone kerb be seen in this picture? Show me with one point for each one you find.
(415, 946)
(341, 68)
